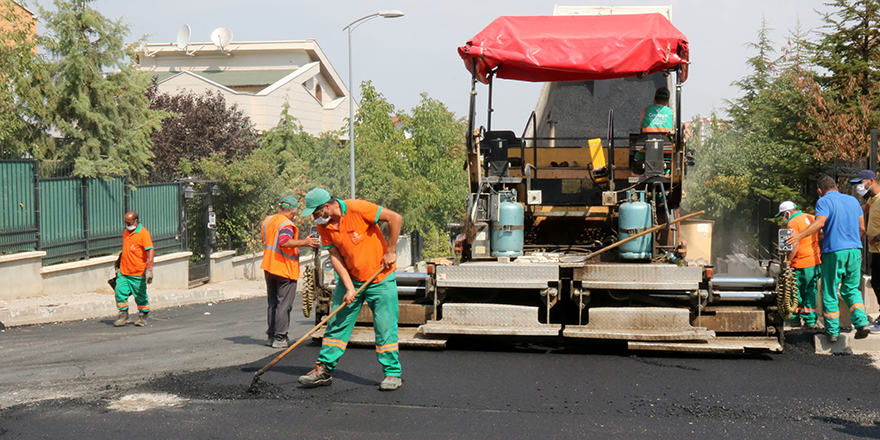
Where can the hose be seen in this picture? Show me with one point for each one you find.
(308, 291)
(787, 292)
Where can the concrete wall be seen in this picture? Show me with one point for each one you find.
(171, 271)
(79, 276)
(246, 267)
(20, 275)
(221, 266)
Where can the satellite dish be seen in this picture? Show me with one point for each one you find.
(183, 36)
(221, 37)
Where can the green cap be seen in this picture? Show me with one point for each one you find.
(661, 93)
(314, 199)
(289, 202)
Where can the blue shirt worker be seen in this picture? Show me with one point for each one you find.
(350, 232)
(841, 218)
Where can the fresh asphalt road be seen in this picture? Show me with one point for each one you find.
(187, 376)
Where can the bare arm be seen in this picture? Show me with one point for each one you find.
(150, 255)
(339, 265)
(395, 221)
(308, 241)
(861, 225)
(810, 230)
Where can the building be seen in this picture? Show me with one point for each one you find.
(259, 76)
(27, 20)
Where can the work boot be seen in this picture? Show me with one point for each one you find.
(863, 332)
(832, 339)
(142, 319)
(281, 341)
(320, 376)
(122, 319)
(270, 340)
(390, 383)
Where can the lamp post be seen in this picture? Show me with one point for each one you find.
(351, 26)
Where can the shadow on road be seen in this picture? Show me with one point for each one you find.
(852, 428)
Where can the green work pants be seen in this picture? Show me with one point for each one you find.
(807, 279)
(127, 286)
(842, 268)
(382, 299)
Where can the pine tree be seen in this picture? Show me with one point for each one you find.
(102, 120)
(850, 45)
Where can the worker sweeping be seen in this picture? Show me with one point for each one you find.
(350, 232)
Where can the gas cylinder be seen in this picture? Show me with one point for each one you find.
(635, 216)
(507, 232)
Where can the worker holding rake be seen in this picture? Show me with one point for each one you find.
(350, 232)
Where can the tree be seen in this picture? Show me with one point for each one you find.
(23, 97)
(103, 119)
(201, 126)
(850, 48)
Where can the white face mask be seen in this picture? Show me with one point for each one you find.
(131, 227)
(860, 188)
(786, 216)
(322, 220)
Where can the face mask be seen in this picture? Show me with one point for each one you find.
(860, 188)
(786, 216)
(322, 220)
(131, 227)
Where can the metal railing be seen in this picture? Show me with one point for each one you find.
(72, 218)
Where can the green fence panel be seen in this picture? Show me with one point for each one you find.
(18, 227)
(61, 219)
(106, 211)
(106, 207)
(158, 206)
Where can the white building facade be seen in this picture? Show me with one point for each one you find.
(259, 76)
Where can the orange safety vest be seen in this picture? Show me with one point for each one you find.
(279, 261)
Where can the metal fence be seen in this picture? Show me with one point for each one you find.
(72, 218)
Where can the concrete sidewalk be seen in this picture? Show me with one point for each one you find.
(61, 308)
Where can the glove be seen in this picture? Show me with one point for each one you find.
(148, 275)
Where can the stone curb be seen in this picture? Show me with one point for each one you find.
(102, 308)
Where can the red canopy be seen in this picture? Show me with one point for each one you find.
(576, 47)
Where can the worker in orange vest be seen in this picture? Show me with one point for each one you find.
(281, 245)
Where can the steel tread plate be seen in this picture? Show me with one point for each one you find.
(406, 337)
(731, 345)
(439, 328)
(493, 274)
(638, 272)
(694, 334)
(658, 319)
(489, 284)
(640, 285)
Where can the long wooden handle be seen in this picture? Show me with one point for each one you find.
(645, 232)
(323, 321)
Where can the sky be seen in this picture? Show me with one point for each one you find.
(405, 57)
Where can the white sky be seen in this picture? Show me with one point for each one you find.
(417, 53)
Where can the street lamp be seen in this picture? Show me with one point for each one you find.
(351, 26)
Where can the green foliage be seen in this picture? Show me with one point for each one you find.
(251, 189)
(850, 45)
(103, 120)
(763, 152)
(25, 94)
(416, 168)
(436, 244)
